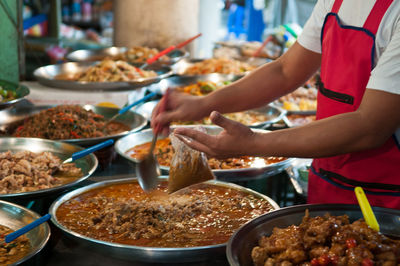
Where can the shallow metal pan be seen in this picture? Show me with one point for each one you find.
(10, 119)
(147, 254)
(99, 54)
(230, 175)
(242, 242)
(87, 164)
(47, 75)
(21, 91)
(15, 217)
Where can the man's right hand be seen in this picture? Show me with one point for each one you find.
(178, 107)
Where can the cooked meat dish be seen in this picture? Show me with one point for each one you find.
(220, 65)
(202, 88)
(7, 95)
(200, 215)
(109, 71)
(27, 171)
(164, 153)
(302, 99)
(327, 240)
(68, 122)
(15, 250)
(139, 54)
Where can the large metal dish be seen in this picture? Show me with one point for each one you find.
(231, 175)
(47, 75)
(15, 217)
(184, 64)
(242, 242)
(99, 54)
(87, 164)
(10, 119)
(147, 254)
(21, 91)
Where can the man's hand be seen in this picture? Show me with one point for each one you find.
(234, 140)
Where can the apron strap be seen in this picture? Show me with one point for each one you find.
(376, 15)
(336, 6)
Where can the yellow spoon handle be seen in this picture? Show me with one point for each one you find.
(366, 209)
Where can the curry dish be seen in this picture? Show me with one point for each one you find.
(164, 153)
(327, 240)
(68, 122)
(200, 215)
(15, 250)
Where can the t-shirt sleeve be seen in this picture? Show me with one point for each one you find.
(386, 74)
(310, 38)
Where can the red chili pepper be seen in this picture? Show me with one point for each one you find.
(19, 128)
(314, 262)
(60, 114)
(351, 243)
(367, 262)
(324, 259)
(73, 133)
(139, 71)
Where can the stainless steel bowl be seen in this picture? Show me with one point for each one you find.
(147, 254)
(246, 238)
(47, 75)
(87, 164)
(15, 217)
(21, 91)
(10, 119)
(230, 175)
(99, 54)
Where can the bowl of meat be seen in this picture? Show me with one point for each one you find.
(320, 234)
(31, 168)
(124, 221)
(13, 217)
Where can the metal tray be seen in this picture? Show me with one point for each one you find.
(242, 242)
(21, 90)
(231, 175)
(10, 119)
(46, 75)
(15, 217)
(147, 254)
(87, 164)
(99, 54)
(180, 67)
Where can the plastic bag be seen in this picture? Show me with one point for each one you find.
(188, 166)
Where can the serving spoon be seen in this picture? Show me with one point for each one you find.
(14, 235)
(366, 209)
(148, 169)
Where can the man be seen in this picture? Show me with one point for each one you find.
(356, 44)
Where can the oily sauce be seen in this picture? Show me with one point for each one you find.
(200, 215)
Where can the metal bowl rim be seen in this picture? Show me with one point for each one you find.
(46, 229)
(63, 198)
(40, 191)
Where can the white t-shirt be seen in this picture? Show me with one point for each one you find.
(386, 74)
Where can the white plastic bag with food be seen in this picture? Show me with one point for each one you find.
(188, 166)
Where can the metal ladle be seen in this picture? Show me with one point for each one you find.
(148, 169)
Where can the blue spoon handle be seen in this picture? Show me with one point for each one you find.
(94, 148)
(26, 228)
(145, 98)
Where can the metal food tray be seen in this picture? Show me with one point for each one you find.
(87, 164)
(85, 55)
(14, 217)
(180, 67)
(246, 238)
(229, 175)
(21, 91)
(11, 119)
(47, 75)
(147, 254)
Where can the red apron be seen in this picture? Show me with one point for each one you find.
(347, 61)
